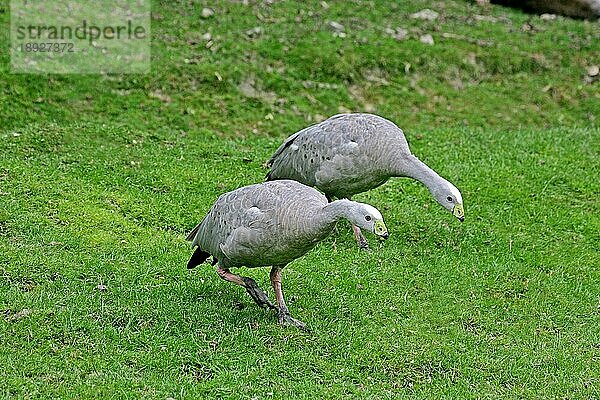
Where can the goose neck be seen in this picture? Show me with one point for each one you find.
(336, 210)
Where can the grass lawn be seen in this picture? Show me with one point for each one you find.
(101, 177)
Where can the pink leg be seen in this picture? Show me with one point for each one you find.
(283, 314)
(249, 284)
(360, 239)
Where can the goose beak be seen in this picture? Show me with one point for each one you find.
(459, 212)
(381, 230)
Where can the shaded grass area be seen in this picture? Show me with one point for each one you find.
(97, 301)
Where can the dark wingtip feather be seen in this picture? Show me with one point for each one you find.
(269, 176)
(197, 258)
(193, 233)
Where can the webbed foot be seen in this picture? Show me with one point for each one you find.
(285, 319)
(363, 244)
(257, 294)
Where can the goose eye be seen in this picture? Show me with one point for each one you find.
(367, 217)
(449, 198)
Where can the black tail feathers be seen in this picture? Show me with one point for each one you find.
(197, 258)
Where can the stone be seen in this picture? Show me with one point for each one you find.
(207, 12)
(425, 14)
(427, 39)
(336, 26)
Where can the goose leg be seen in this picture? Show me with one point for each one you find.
(249, 284)
(283, 313)
(360, 239)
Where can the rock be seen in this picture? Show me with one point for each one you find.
(548, 17)
(320, 85)
(478, 42)
(101, 287)
(375, 75)
(571, 8)
(425, 14)
(158, 94)
(400, 34)
(207, 12)
(247, 88)
(427, 39)
(254, 32)
(338, 29)
(527, 27)
(336, 26)
(593, 70)
(485, 18)
(250, 88)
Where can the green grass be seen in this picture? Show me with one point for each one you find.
(100, 180)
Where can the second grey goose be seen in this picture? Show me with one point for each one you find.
(352, 153)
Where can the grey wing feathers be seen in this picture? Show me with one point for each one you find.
(247, 226)
(316, 154)
(248, 208)
(299, 157)
(345, 154)
(288, 142)
(214, 225)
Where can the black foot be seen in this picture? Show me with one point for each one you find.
(257, 294)
(363, 244)
(285, 319)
